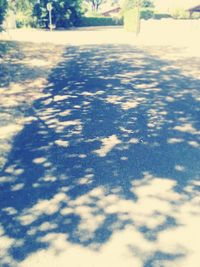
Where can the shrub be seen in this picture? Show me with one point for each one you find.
(180, 14)
(99, 21)
(195, 15)
(146, 13)
(161, 16)
(24, 20)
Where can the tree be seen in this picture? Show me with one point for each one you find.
(24, 12)
(3, 9)
(65, 13)
(95, 4)
(129, 4)
(147, 3)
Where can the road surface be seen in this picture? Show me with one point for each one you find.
(103, 169)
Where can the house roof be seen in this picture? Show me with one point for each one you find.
(110, 11)
(195, 8)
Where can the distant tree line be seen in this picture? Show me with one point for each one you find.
(34, 13)
(65, 13)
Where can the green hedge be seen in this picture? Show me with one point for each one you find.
(161, 16)
(99, 21)
(147, 13)
(179, 13)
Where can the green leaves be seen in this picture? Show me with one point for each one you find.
(3, 9)
(65, 13)
(130, 4)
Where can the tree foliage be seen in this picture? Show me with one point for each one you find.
(65, 13)
(95, 4)
(23, 10)
(130, 4)
(34, 12)
(3, 9)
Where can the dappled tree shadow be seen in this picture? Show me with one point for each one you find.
(106, 164)
(16, 65)
(24, 68)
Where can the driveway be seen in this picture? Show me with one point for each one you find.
(104, 169)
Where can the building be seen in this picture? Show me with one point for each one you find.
(112, 12)
(194, 9)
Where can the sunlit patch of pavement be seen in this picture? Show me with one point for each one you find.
(157, 201)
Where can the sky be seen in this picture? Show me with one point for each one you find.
(169, 4)
(164, 5)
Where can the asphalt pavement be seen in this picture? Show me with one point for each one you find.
(105, 169)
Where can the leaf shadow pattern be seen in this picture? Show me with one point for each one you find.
(24, 68)
(14, 65)
(106, 171)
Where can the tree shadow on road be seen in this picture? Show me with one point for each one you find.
(108, 165)
(24, 68)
